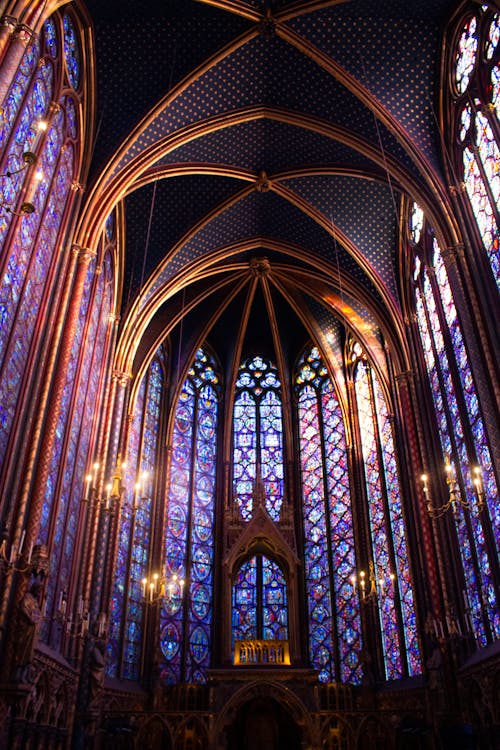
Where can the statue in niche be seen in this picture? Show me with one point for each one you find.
(97, 665)
(30, 616)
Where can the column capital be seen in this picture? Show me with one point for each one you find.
(77, 187)
(83, 254)
(453, 253)
(121, 377)
(9, 22)
(458, 189)
(405, 377)
(24, 33)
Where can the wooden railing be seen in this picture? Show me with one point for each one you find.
(262, 653)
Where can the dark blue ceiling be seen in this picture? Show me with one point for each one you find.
(267, 145)
(391, 49)
(142, 52)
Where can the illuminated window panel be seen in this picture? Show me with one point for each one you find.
(27, 272)
(35, 108)
(71, 52)
(244, 602)
(186, 621)
(477, 108)
(127, 613)
(465, 59)
(483, 211)
(50, 36)
(333, 605)
(119, 592)
(316, 548)
(258, 437)
(17, 91)
(379, 532)
(259, 601)
(450, 423)
(398, 533)
(472, 528)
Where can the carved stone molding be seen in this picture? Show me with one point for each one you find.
(405, 377)
(262, 183)
(453, 253)
(260, 267)
(121, 377)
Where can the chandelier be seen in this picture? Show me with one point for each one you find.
(455, 500)
(162, 589)
(370, 588)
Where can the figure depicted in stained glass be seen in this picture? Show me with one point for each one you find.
(258, 436)
(462, 434)
(333, 604)
(186, 617)
(474, 85)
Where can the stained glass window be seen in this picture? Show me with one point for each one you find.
(26, 281)
(465, 57)
(476, 75)
(186, 616)
(258, 436)
(51, 36)
(260, 601)
(416, 222)
(329, 552)
(71, 52)
(389, 549)
(461, 427)
(25, 134)
(134, 536)
(81, 393)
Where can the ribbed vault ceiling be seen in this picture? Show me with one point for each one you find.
(281, 130)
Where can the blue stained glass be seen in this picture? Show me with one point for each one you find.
(71, 52)
(317, 564)
(50, 36)
(71, 117)
(476, 123)
(244, 609)
(17, 90)
(445, 401)
(133, 550)
(257, 437)
(376, 434)
(23, 139)
(398, 533)
(329, 556)
(31, 271)
(186, 624)
(110, 227)
(274, 602)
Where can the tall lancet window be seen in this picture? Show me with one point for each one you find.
(475, 87)
(186, 617)
(134, 540)
(28, 258)
(258, 436)
(82, 391)
(329, 546)
(462, 433)
(387, 538)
